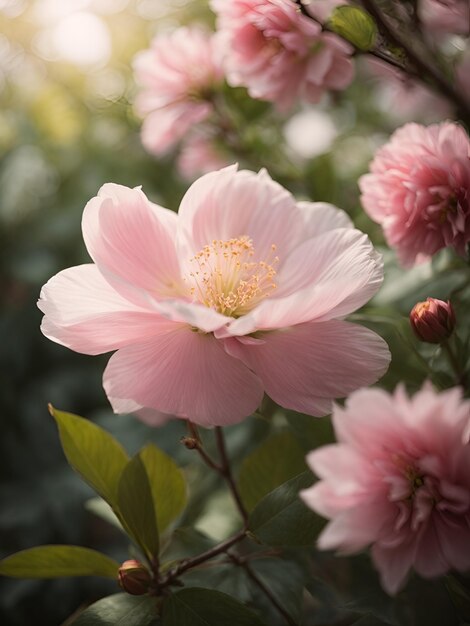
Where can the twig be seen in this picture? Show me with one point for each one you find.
(187, 564)
(424, 69)
(240, 561)
(226, 472)
(194, 443)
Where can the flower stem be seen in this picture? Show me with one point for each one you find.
(454, 363)
(226, 472)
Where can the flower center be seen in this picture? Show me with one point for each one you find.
(228, 279)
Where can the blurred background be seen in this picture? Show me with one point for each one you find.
(66, 127)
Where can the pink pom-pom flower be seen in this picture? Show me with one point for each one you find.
(176, 76)
(398, 479)
(243, 292)
(279, 54)
(418, 189)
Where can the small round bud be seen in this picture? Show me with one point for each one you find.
(190, 442)
(134, 577)
(433, 321)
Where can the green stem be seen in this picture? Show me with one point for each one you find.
(454, 363)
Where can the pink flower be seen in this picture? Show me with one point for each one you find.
(176, 75)
(418, 189)
(399, 479)
(241, 293)
(279, 54)
(199, 155)
(445, 16)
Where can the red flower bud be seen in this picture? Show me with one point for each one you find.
(433, 321)
(134, 577)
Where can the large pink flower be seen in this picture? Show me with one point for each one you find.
(399, 479)
(418, 189)
(240, 294)
(279, 54)
(176, 75)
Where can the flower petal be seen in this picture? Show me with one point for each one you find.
(325, 277)
(83, 312)
(304, 367)
(186, 374)
(229, 203)
(132, 242)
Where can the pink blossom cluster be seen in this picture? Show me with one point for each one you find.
(418, 189)
(398, 479)
(242, 293)
(177, 77)
(279, 54)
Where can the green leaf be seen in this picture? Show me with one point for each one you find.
(58, 561)
(120, 610)
(196, 606)
(282, 519)
(274, 462)
(460, 595)
(136, 507)
(355, 25)
(167, 483)
(93, 453)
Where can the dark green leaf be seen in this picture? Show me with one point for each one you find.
(136, 506)
(167, 484)
(120, 610)
(93, 453)
(58, 561)
(282, 519)
(460, 595)
(354, 25)
(274, 462)
(203, 607)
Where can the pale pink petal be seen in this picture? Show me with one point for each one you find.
(162, 129)
(184, 373)
(151, 417)
(228, 204)
(325, 277)
(320, 217)
(132, 242)
(342, 462)
(393, 565)
(304, 367)
(323, 498)
(84, 313)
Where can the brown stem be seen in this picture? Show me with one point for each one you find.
(238, 560)
(226, 472)
(424, 69)
(187, 564)
(196, 444)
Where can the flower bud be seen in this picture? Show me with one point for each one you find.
(433, 321)
(134, 577)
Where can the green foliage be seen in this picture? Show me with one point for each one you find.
(93, 453)
(282, 519)
(203, 607)
(274, 462)
(136, 507)
(58, 561)
(167, 484)
(120, 610)
(355, 25)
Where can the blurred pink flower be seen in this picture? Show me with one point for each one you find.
(418, 189)
(445, 16)
(176, 76)
(199, 155)
(399, 479)
(404, 99)
(279, 54)
(241, 293)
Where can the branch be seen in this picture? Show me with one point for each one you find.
(238, 560)
(186, 564)
(226, 472)
(422, 67)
